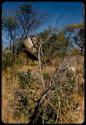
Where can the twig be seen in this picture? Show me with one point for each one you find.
(51, 105)
(52, 29)
(29, 90)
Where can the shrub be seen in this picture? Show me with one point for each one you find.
(6, 60)
(61, 53)
(75, 51)
(24, 78)
(33, 63)
(18, 62)
(23, 100)
(21, 105)
(46, 75)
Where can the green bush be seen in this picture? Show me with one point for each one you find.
(24, 78)
(33, 63)
(23, 100)
(75, 51)
(46, 75)
(21, 105)
(18, 61)
(61, 53)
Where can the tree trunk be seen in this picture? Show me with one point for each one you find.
(10, 45)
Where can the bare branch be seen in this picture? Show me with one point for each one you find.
(40, 69)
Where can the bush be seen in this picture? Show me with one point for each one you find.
(75, 51)
(33, 63)
(21, 105)
(23, 100)
(18, 62)
(46, 75)
(62, 53)
(6, 60)
(24, 78)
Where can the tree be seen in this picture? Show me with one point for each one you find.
(9, 24)
(57, 42)
(28, 19)
(75, 35)
(82, 38)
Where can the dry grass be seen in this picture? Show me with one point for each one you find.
(10, 85)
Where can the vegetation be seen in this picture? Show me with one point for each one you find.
(6, 60)
(25, 78)
(56, 43)
(76, 35)
(49, 90)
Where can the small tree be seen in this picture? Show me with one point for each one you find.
(9, 25)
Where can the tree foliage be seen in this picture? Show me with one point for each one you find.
(75, 34)
(10, 25)
(28, 19)
(56, 42)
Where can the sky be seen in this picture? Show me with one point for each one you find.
(61, 13)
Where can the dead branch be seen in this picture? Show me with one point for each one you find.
(40, 67)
